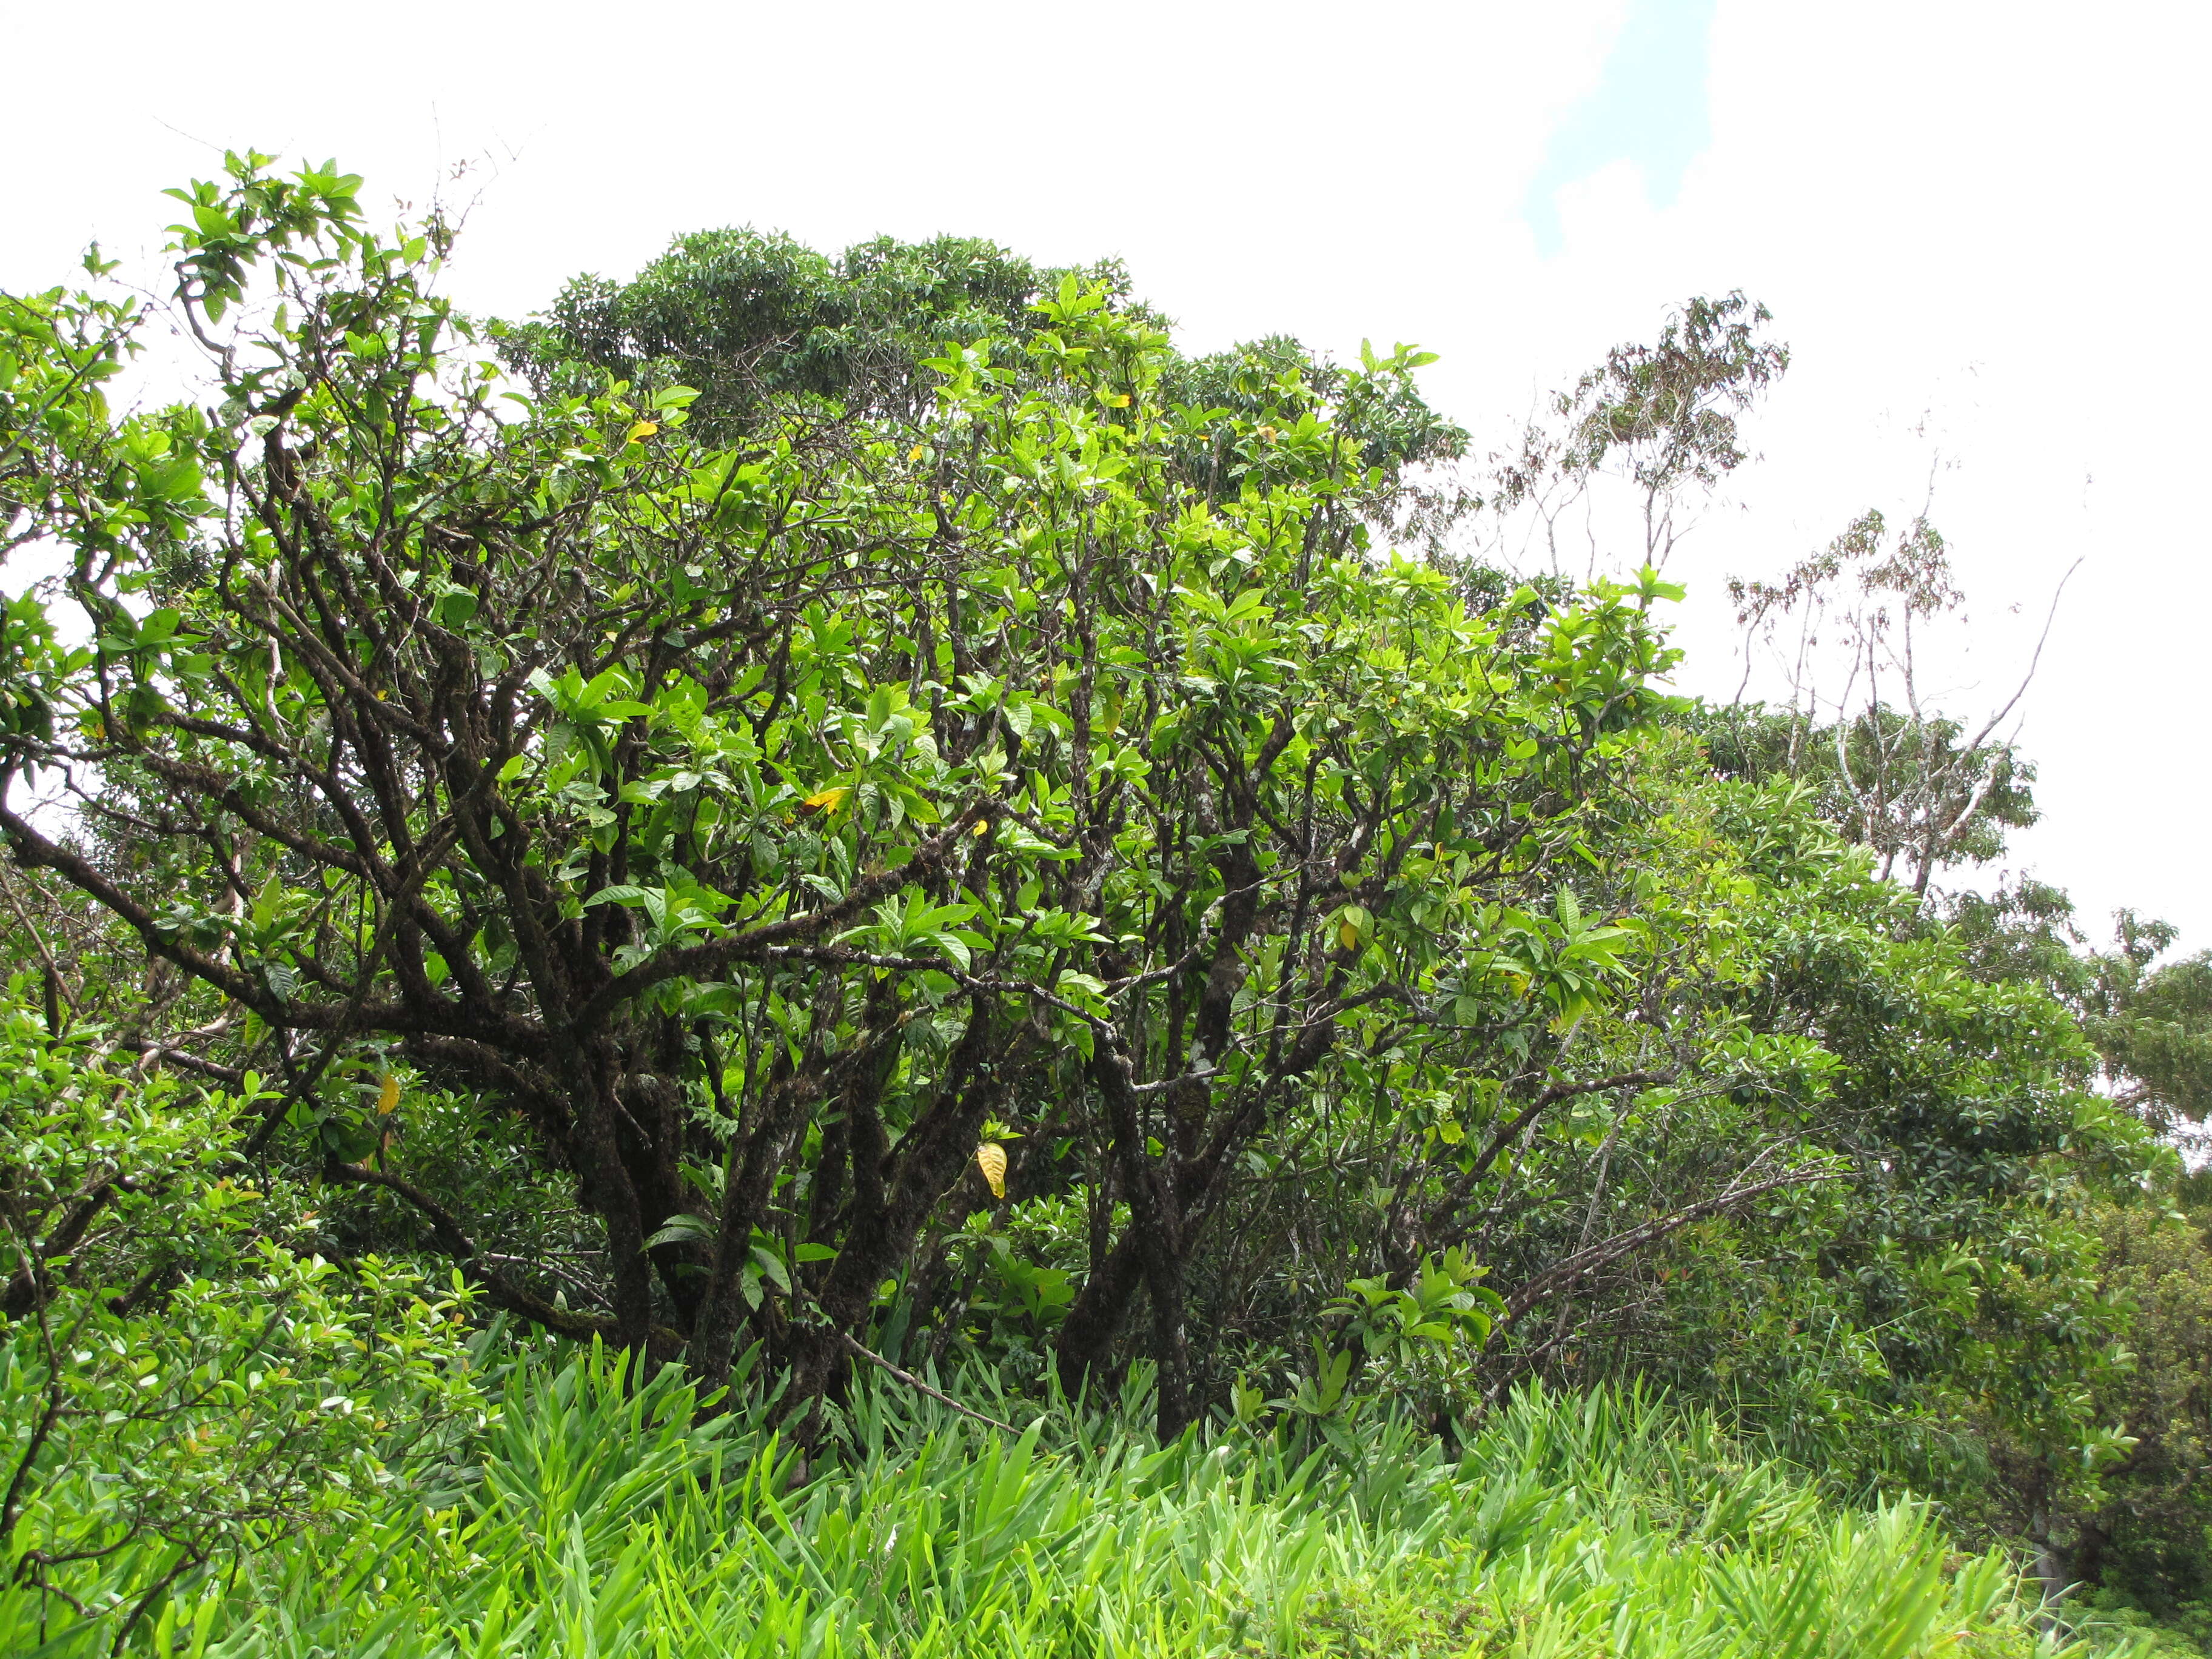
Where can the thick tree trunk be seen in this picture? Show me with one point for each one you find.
(607, 1188)
(748, 1177)
(1156, 1219)
(1163, 1284)
(884, 1221)
(1085, 1347)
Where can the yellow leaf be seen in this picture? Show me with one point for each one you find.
(990, 1159)
(387, 1098)
(828, 800)
(917, 453)
(642, 429)
(1347, 934)
(983, 827)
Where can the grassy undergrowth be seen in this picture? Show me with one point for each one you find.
(604, 1522)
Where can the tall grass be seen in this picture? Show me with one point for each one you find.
(605, 1521)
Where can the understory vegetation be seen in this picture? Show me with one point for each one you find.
(603, 1519)
(835, 957)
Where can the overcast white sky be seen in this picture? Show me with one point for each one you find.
(1980, 227)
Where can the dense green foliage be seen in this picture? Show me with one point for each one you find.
(1572, 1527)
(865, 836)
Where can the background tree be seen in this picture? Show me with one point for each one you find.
(755, 322)
(760, 324)
(1921, 788)
(1635, 445)
(2152, 1021)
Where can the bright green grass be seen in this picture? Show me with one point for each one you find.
(605, 1524)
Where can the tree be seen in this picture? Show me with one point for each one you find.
(1656, 423)
(759, 324)
(2153, 1022)
(760, 822)
(755, 322)
(1921, 787)
(1795, 1156)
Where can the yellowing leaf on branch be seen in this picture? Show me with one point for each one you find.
(642, 429)
(828, 800)
(387, 1098)
(990, 1159)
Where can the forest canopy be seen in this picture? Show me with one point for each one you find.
(825, 826)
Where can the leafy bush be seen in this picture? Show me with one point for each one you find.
(180, 1387)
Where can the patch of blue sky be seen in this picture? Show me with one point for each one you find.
(1650, 108)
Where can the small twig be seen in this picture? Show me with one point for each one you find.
(547, 1263)
(914, 1381)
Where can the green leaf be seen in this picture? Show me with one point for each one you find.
(771, 1267)
(685, 1229)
